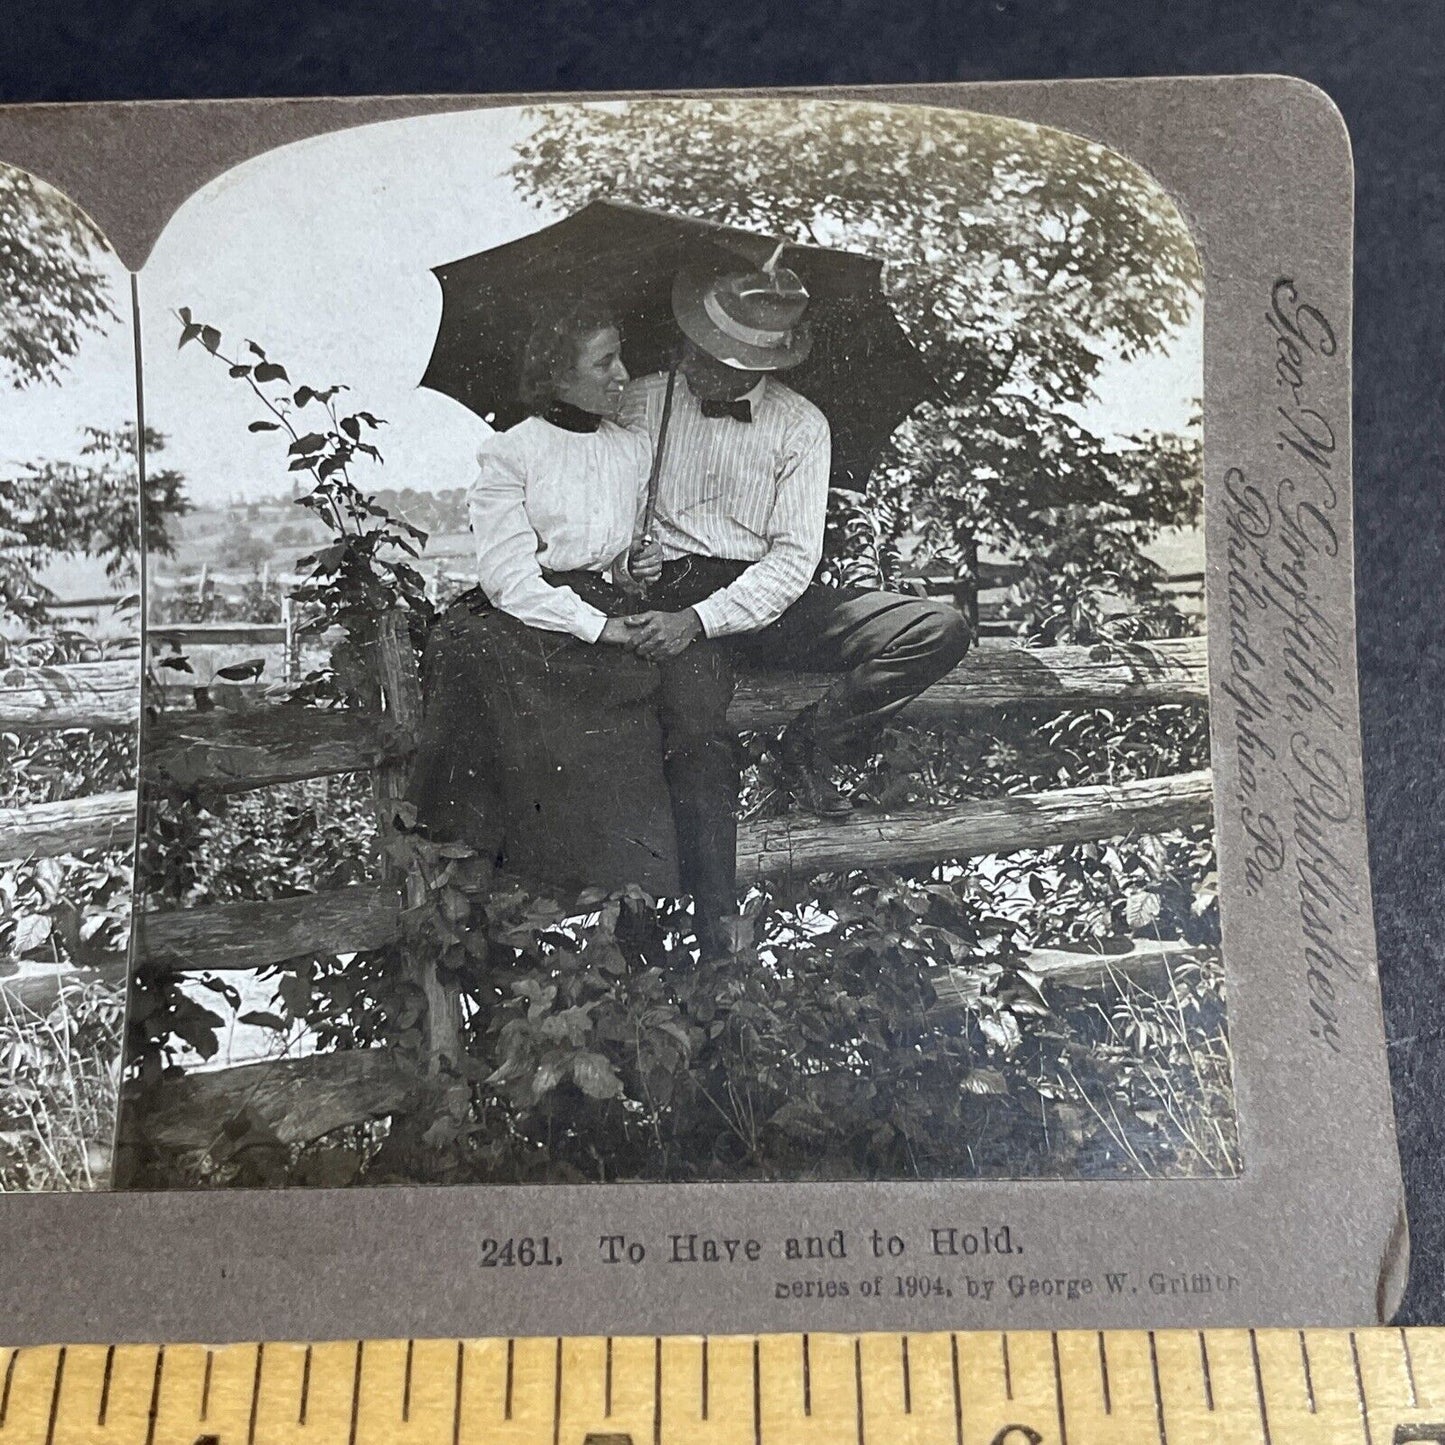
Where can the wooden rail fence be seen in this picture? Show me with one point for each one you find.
(303, 1098)
(58, 698)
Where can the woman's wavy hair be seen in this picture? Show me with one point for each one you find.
(554, 345)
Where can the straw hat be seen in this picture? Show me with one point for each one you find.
(751, 320)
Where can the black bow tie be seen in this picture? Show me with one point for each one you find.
(740, 410)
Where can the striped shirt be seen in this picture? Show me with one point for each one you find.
(564, 500)
(747, 491)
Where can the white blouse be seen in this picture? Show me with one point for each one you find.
(546, 497)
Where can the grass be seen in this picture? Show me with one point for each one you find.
(59, 1074)
(1167, 1109)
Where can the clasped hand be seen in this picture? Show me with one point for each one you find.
(653, 636)
(644, 560)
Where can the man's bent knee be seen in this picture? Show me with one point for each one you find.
(937, 635)
(953, 634)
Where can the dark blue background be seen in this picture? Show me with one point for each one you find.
(1379, 59)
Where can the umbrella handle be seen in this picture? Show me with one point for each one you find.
(656, 473)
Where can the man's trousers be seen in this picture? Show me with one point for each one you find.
(885, 648)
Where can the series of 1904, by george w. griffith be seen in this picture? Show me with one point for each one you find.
(800, 644)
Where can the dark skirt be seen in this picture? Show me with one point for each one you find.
(544, 752)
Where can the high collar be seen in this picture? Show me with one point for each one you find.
(571, 418)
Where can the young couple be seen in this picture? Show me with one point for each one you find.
(576, 702)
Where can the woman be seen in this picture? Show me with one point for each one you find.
(561, 492)
(541, 745)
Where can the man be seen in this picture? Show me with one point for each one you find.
(742, 494)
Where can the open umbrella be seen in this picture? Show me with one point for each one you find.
(863, 373)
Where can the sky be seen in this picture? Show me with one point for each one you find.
(321, 251)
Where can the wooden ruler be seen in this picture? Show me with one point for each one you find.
(1175, 1387)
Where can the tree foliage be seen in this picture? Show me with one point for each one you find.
(52, 289)
(1019, 259)
(90, 507)
(1017, 256)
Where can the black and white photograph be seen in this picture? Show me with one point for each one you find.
(675, 652)
(70, 624)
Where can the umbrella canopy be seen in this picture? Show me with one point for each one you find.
(864, 374)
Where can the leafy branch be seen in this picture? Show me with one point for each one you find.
(358, 576)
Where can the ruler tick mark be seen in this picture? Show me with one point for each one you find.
(457, 1399)
(757, 1393)
(656, 1389)
(1259, 1386)
(1104, 1375)
(255, 1395)
(957, 1393)
(5, 1392)
(406, 1383)
(1059, 1390)
(507, 1404)
(55, 1397)
(557, 1394)
(1360, 1388)
(858, 1384)
(1159, 1392)
(1205, 1370)
(907, 1380)
(1008, 1374)
(704, 1377)
(206, 1386)
(1410, 1370)
(607, 1382)
(155, 1405)
(356, 1393)
(105, 1386)
(807, 1378)
(1304, 1354)
(305, 1387)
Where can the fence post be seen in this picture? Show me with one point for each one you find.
(289, 667)
(969, 601)
(396, 672)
